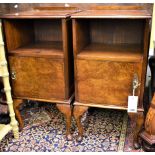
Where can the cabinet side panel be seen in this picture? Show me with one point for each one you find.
(145, 58)
(81, 35)
(68, 57)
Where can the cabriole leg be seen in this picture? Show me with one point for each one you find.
(66, 110)
(139, 118)
(16, 104)
(78, 111)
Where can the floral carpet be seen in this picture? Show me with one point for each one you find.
(44, 131)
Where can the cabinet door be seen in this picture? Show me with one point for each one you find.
(23, 75)
(105, 82)
(50, 75)
(41, 78)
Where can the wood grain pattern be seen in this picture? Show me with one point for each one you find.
(145, 58)
(23, 85)
(115, 48)
(113, 14)
(47, 74)
(117, 107)
(113, 52)
(51, 39)
(9, 7)
(116, 31)
(40, 49)
(18, 33)
(81, 35)
(48, 30)
(139, 117)
(94, 36)
(46, 14)
(50, 79)
(105, 82)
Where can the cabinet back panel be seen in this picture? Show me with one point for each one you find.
(116, 31)
(48, 30)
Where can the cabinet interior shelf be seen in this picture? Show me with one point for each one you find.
(38, 49)
(113, 52)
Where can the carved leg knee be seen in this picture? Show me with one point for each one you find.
(78, 111)
(66, 110)
(139, 118)
(16, 104)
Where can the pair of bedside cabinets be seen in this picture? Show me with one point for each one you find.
(100, 54)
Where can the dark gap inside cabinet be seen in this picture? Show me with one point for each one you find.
(111, 39)
(34, 37)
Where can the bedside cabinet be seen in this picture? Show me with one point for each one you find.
(39, 52)
(110, 59)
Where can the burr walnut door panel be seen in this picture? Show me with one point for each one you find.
(105, 82)
(50, 78)
(37, 77)
(23, 75)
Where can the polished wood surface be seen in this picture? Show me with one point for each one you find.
(40, 58)
(25, 32)
(114, 52)
(67, 111)
(117, 107)
(68, 57)
(113, 14)
(43, 12)
(108, 33)
(110, 47)
(115, 31)
(145, 59)
(40, 49)
(105, 82)
(139, 118)
(78, 111)
(47, 74)
(47, 30)
(9, 7)
(17, 33)
(80, 35)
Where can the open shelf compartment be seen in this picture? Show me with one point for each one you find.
(109, 39)
(34, 37)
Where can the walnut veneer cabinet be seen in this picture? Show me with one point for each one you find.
(110, 54)
(40, 57)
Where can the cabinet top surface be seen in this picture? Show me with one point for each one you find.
(112, 14)
(37, 13)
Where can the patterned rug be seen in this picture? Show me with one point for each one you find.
(44, 131)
